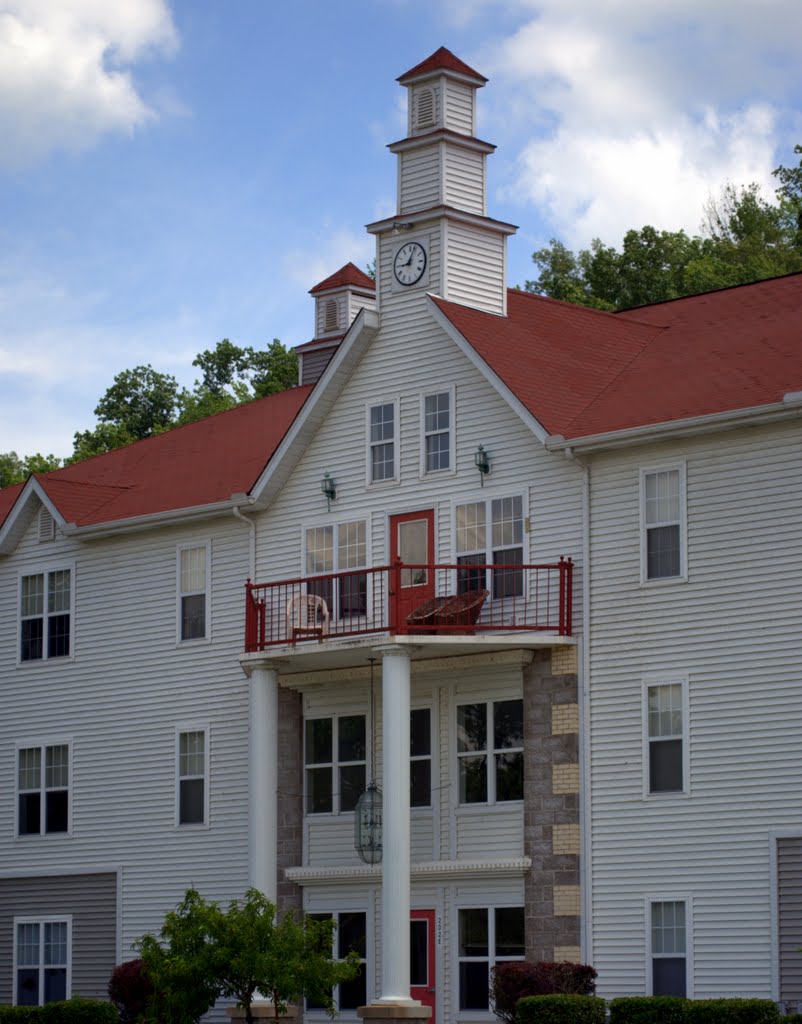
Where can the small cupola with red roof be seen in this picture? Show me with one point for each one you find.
(442, 94)
(338, 299)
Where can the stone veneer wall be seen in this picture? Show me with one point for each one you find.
(290, 797)
(551, 805)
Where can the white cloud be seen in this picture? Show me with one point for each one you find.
(309, 265)
(626, 112)
(65, 75)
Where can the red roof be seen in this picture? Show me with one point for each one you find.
(582, 372)
(199, 464)
(350, 274)
(441, 60)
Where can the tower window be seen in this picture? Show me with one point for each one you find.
(424, 108)
(331, 316)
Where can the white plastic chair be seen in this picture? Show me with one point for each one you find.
(307, 615)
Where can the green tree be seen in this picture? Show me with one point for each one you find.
(14, 470)
(206, 952)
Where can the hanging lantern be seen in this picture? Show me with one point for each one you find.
(368, 825)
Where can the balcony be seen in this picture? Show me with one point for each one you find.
(459, 600)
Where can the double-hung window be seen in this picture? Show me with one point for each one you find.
(350, 934)
(335, 763)
(193, 592)
(662, 523)
(43, 789)
(438, 432)
(486, 937)
(669, 948)
(339, 549)
(382, 435)
(493, 528)
(665, 737)
(193, 777)
(41, 960)
(45, 615)
(490, 760)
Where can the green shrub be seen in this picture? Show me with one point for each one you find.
(18, 1014)
(649, 1010)
(561, 1010)
(72, 1011)
(732, 1011)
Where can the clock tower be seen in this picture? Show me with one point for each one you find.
(441, 240)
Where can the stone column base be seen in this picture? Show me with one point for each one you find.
(391, 1013)
(262, 1011)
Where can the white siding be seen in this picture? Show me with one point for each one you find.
(475, 267)
(460, 107)
(420, 179)
(733, 631)
(465, 179)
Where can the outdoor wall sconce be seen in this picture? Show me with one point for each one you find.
(329, 488)
(482, 462)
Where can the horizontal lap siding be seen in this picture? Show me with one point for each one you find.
(465, 180)
(90, 899)
(420, 179)
(733, 631)
(475, 268)
(459, 107)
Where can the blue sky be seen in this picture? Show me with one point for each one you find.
(173, 172)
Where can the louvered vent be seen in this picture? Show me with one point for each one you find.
(47, 526)
(424, 109)
(332, 318)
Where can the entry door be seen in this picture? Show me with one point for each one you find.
(421, 959)
(411, 540)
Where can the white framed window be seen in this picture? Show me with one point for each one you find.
(339, 548)
(335, 763)
(192, 775)
(42, 959)
(668, 946)
(486, 936)
(46, 600)
(194, 572)
(420, 762)
(490, 759)
(382, 432)
(491, 532)
(350, 934)
(437, 432)
(663, 523)
(665, 746)
(43, 788)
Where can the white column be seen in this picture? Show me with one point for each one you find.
(395, 840)
(263, 781)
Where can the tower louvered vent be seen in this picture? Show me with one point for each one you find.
(424, 109)
(331, 316)
(47, 526)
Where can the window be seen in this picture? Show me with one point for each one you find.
(662, 513)
(331, 549)
(490, 751)
(420, 767)
(41, 960)
(335, 763)
(487, 936)
(193, 786)
(664, 733)
(45, 620)
(193, 576)
(43, 788)
(437, 432)
(350, 934)
(331, 316)
(494, 526)
(381, 433)
(668, 942)
(424, 108)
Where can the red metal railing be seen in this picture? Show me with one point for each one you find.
(319, 608)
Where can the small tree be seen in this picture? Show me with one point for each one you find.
(209, 952)
(130, 990)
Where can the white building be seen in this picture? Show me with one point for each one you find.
(530, 567)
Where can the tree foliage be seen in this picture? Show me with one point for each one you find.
(14, 470)
(743, 238)
(204, 952)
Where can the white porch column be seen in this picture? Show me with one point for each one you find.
(263, 781)
(395, 785)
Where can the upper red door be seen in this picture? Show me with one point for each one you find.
(411, 541)
(421, 959)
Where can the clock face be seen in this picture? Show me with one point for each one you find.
(410, 263)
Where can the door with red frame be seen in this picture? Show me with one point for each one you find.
(411, 541)
(422, 966)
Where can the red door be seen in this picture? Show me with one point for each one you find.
(421, 959)
(411, 541)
